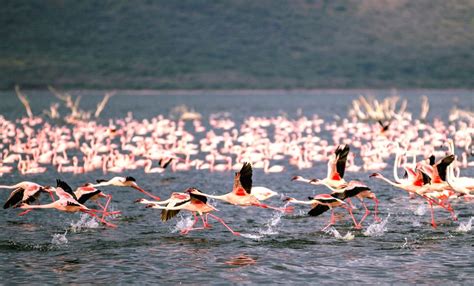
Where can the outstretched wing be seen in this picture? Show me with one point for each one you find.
(341, 157)
(243, 180)
(318, 209)
(86, 196)
(169, 214)
(442, 165)
(63, 185)
(15, 197)
(349, 193)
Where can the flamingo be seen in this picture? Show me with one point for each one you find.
(360, 191)
(241, 194)
(321, 203)
(24, 192)
(414, 188)
(66, 203)
(336, 167)
(87, 192)
(124, 182)
(192, 200)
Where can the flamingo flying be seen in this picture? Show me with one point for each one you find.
(192, 200)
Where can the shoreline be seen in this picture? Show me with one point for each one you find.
(244, 92)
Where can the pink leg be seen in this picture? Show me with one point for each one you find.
(376, 210)
(433, 223)
(91, 213)
(187, 230)
(104, 214)
(356, 225)
(367, 212)
(204, 222)
(52, 197)
(24, 212)
(223, 223)
(331, 221)
(350, 203)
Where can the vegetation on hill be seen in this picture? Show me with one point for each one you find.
(237, 44)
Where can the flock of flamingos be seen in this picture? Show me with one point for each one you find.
(431, 156)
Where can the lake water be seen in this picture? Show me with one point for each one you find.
(42, 247)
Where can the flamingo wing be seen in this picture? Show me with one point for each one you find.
(349, 193)
(169, 214)
(86, 196)
(63, 185)
(15, 197)
(442, 165)
(243, 180)
(318, 209)
(341, 157)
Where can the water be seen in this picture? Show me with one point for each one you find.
(48, 246)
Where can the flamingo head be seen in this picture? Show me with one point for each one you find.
(288, 199)
(375, 175)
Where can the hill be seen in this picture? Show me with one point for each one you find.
(237, 44)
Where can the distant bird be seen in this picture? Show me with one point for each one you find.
(191, 201)
(124, 182)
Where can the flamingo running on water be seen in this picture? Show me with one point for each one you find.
(66, 203)
(24, 192)
(242, 195)
(322, 203)
(192, 200)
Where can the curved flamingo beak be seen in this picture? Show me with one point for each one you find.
(374, 175)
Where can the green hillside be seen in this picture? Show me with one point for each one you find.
(237, 44)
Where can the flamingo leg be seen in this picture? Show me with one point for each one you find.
(187, 230)
(223, 223)
(91, 213)
(350, 203)
(331, 221)
(52, 197)
(24, 212)
(204, 221)
(433, 223)
(104, 213)
(367, 212)
(376, 210)
(356, 225)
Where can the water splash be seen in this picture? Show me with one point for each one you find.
(270, 227)
(421, 210)
(183, 223)
(59, 239)
(348, 236)
(465, 227)
(85, 222)
(377, 229)
(252, 236)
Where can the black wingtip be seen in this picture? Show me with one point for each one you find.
(130, 179)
